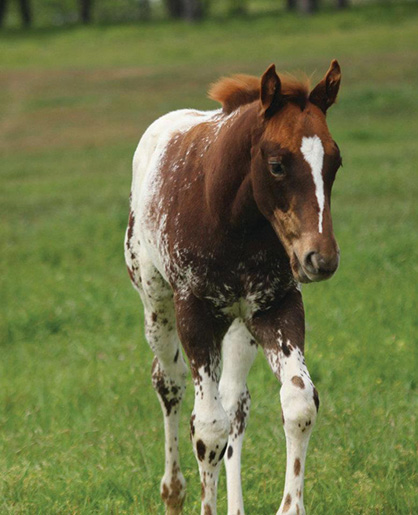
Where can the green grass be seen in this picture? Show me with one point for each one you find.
(80, 426)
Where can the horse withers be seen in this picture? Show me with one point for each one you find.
(230, 212)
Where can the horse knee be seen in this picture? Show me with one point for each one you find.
(300, 402)
(236, 401)
(210, 437)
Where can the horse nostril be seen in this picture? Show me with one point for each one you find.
(310, 262)
(316, 263)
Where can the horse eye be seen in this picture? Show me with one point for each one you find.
(276, 168)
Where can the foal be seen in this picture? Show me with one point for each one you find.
(230, 212)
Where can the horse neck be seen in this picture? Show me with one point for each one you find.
(229, 192)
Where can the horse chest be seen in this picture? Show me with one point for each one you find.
(233, 288)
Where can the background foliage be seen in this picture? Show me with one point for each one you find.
(47, 13)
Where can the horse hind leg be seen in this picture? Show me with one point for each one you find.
(168, 379)
(168, 375)
(236, 401)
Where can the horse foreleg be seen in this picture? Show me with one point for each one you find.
(281, 332)
(239, 351)
(300, 403)
(201, 336)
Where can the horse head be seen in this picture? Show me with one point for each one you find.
(294, 161)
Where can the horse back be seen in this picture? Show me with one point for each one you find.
(154, 142)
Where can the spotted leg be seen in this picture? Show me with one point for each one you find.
(201, 335)
(281, 333)
(239, 350)
(168, 369)
(168, 379)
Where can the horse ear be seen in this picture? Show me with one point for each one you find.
(325, 93)
(270, 93)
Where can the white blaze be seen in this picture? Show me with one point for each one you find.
(313, 153)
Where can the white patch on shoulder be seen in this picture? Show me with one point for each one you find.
(313, 153)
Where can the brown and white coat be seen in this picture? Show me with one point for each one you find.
(230, 212)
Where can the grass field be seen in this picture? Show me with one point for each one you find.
(80, 426)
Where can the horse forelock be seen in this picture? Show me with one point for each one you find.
(295, 90)
(233, 92)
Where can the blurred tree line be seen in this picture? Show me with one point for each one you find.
(61, 12)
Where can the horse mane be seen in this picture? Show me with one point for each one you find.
(233, 92)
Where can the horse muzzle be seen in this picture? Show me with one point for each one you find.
(315, 266)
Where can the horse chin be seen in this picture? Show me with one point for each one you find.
(302, 276)
(297, 270)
